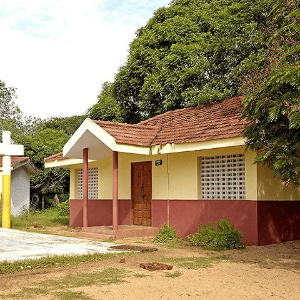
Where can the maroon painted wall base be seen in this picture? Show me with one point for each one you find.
(262, 222)
(99, 212)
(278, 221)
(186, 215)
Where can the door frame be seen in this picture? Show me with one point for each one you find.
(131, 191)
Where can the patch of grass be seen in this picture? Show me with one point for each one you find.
(56, 261)
(39, 219)
(26, 293)
(173, 275)
(267, 260)
(71, 295)
(61, 287)
(109, 240)
(105, 277)
(193, 262)
(138, 275)
(180, 244)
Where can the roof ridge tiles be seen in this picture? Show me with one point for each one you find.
(138, 125)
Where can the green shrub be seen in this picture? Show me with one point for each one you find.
(221, 238)
(64, 208)
(166, 234)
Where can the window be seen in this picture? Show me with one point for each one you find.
(93, 183)
(223, 177)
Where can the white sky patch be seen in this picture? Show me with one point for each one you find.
(57, 53)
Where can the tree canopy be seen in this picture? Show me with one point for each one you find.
(186, 55)
(271, 84)
(106, 108)
(44, 143)
(68, 125)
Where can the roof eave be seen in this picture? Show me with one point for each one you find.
(27, 164)
(196, 146)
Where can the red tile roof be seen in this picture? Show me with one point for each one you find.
(216, 120)
(130, 134)
(14, 159)
(58, 156)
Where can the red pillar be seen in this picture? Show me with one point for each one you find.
(85, 186)
(115, 190)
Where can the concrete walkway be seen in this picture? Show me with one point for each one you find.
(19, 245)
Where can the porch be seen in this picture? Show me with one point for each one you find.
(123, 231)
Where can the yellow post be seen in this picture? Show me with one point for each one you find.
(7, 149)
(6, 182)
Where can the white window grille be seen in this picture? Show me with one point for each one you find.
(93, 183)
(223, 177)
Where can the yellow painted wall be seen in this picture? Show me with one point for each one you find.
(73, 183)
(185, 172)
(177, 178)
(251, 179)
(182, 171)
(0, 182)
(183, 175)
(270, 188)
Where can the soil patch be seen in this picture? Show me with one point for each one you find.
(154, 266)
(256, 273)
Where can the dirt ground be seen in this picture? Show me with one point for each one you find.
(264, 272)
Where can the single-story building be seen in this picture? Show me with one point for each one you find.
(182, 167)
(21, 168)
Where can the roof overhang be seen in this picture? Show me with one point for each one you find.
(26, 164)
(206, 145)
(61, 163)
(157, 149)
(29, 166)
(100, 143)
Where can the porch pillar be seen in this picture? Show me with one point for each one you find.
(85, 186)
(115, 190)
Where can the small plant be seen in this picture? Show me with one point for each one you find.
(173, 275)
(166, 234)
(222, 237)
(64, 208)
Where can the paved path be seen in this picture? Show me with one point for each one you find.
(19, 245)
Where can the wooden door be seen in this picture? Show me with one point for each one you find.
(141, 193)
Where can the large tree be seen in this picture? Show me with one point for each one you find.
(106, 108)
(186, 55)
(272, 88)
(47, 182)
(66, 124)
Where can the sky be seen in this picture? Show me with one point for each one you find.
(58, 53)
